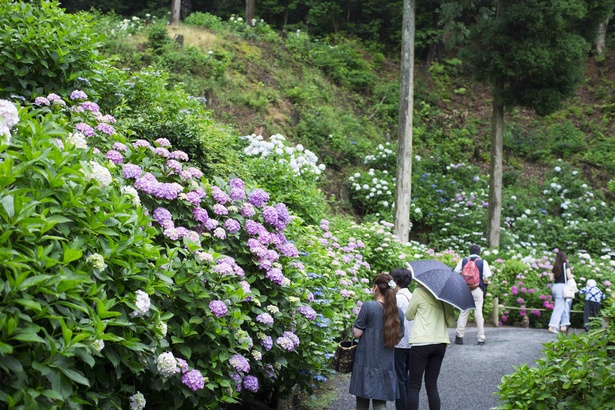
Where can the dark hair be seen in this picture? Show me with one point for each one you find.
(558, 266)
(402, 276)
(474, 249)
(391, 328)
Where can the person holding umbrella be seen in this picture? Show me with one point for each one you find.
(431, 309)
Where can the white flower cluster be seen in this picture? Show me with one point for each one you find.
(300, 159)
(162, 327)
(382, 153)
(379, 187)
(77, 140)
(137, 401)
(143, 304)
(131, 192)
(100, 174)
(98, 344)
(9, 117)
(97, 260)
(167, 364)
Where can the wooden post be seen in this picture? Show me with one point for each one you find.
(496, 314)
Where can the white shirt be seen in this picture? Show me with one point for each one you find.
(486, 268)
(403, 300)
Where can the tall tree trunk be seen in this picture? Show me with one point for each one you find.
(175, 11)
(601, 39)
(495, 177)
(403, 188)
(250, 5)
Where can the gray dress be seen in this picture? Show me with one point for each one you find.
(373, 372)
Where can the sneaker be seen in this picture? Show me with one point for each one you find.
(458, 340)
(563, 329)
(553, 330)
(481, 343)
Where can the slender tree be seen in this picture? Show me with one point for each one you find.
(176, 6)
(250, 6)
(403, 187)
(533, 54)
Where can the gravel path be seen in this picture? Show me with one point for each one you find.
(470, 373)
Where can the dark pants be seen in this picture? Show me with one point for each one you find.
(591, 309)
(425, 360)
(402, 360)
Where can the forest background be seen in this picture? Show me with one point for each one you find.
(326, 77)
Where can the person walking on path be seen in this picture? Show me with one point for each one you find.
(560, 317)
(429, 339)
(478, 288)
(403, 278)
(380, 326)
(593, 298)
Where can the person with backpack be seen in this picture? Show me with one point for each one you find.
(560, 275)
(476, 272)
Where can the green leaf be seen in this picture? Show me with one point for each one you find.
(75, 376)
(71, 254)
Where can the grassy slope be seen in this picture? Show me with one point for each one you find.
(267, 90)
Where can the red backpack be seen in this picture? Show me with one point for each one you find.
(471, 273)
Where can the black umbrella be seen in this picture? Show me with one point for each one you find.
(443, 282)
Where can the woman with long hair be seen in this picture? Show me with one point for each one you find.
(380, 327)
(560, 274)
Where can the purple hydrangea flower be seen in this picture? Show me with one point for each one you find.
(308, 312)
(247, 210)
(211, 224)
(85, 129)
(258, 198)
(78, 95)
(265, 318)
(232, 226)
(41, 101)
(194, 380)
(174, 165)
(219, 195)
(141, 143)
(120, 147)
(163, 142)
(285, 343)
(114, 156)
(275, 275)
(90, 106)
(270, 215)
(218, 308)
(107, 118)
(195, 172)
(253, 227)
(163, 216)
(105, 128)
(237, 194)
(200, 214)
(237, 183)
(239, 363)
(220, 209)
(292, 337)
(182, 364)
(223, 269)
(267, 342)
(237, 378)
(289, 250)
(132, 171)
(55, 98)
(180, 155)
(250, 383)
(163, 152)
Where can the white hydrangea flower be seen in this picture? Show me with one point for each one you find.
(167, 364)
(137, 401)
(98, 344)
(273, 309)
(9, 117)
(97, 260)
(162, 326)
(100, 174)
(143, 304)
(131, 192)
(77, 140)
